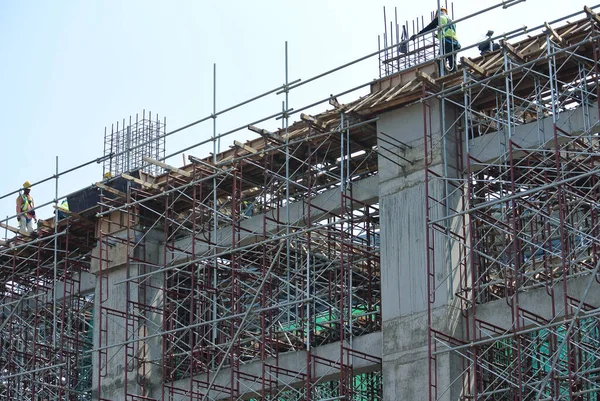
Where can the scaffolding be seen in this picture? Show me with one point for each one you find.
(254, 273)
(264, 251)
(520, 227)
(251, 274)
(46, 320)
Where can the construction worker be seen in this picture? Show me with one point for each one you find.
(25, 210)
(247, 208)
(447, 34)
(62, 208)
(487, 45)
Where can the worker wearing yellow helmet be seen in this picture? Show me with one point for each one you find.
(447, 34)
(26, 210)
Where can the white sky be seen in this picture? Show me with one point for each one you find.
(71, 68)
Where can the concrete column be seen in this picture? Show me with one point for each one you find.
(404, 253)
(112, 318)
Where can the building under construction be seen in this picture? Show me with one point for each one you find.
(435, 239)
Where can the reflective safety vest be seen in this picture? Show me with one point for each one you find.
(448, 31)
(27, 203)
(64, 205)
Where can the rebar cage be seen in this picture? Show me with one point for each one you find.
(129, 142)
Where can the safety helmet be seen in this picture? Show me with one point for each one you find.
(444, 9)
(26, 184)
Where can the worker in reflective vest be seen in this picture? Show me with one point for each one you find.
(64, 207)
(247, 209)
(26, 210)
(447, 34)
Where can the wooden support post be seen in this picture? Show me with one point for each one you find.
(512, 50)
(334, 102)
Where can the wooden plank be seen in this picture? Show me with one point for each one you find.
(399, 101)
(569, 30)
(554, 33)
(397, 90)
(248, 149)
(592, 14)
(167, 166)
(474, 66)
(428, 81)
(512, 50)
(273, 136)
(141, 182)
(13, 229)
(225, 160)
(370, 97)
(313, 121)
(577, 29)
(111, 190)
(208, 165)
(527, 48)
(48, 223)
(267, 134)
(384, 95)
(70, 213)
(492, 60)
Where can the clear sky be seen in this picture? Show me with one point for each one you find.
(71, 68)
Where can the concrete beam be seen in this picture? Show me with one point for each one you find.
(490, 147)
(538, 302)
(328, 202)
(87, 286)
(294, 361)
